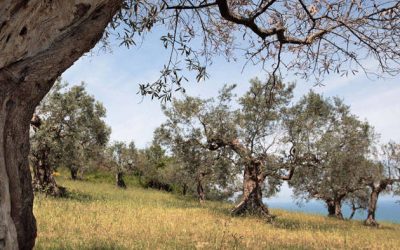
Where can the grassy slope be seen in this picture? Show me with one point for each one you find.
(100, 216)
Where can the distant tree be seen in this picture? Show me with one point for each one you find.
(247, 131)
(384, 175)
(196, 168)
(310, 39)
(71, 133)
(153, 168)
(357, 200)
(338, 145)
(123, 158)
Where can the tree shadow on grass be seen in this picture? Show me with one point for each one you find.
(79, 196)
(186, 202)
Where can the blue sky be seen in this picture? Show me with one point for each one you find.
(113, 79)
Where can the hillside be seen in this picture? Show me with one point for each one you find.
(97, 215)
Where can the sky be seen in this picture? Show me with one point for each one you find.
(113, 77)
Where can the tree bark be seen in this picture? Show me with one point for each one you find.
(38, 41)
(200, 189)
(372, 204)
(338, 209)
(334, 207)
(74, 173)
(184, 189)
(252, 193)
(331, 207)
(17, 222)
(370, 221)
(119, 177)
(43, 179)
(353, 211)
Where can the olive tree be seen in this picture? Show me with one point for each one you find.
(384, 176)
(339, 145)
(195, 168)
(122, 158)
(68, 130)
(309, 38)
(248, 131)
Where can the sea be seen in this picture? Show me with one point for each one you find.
(388, 209)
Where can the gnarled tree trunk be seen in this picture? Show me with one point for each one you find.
(373, 200)
(252, 193)
(38, 41)
(43, 179)
(376, 189)
(17, 222)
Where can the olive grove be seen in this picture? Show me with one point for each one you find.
(68, 131)
(41, 39)
(247, 133)
(341, 146)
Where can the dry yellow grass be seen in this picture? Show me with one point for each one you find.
(100, 216)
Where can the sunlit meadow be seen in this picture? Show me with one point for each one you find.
(97, 215)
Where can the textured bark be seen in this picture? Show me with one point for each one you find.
(38, 41)
(119, 178)
(252, 193)
(253, 179)
(43, 179)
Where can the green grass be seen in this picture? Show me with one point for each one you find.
(97, 215)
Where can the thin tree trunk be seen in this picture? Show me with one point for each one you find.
(200, 189)
(338, 209)
(184, 189)
(74, 173)
(119, 177)
(353, 211)
(38, 41)
(252, 194)
(372, 204)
